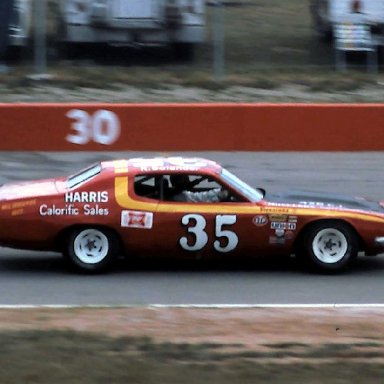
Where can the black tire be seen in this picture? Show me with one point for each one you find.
(91, 249)
(328, 246)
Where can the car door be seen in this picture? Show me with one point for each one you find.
(155, 224)
(211, 228)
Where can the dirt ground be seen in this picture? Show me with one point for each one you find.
(130, 94)
(250, 327)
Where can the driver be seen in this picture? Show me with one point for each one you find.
(180, 183)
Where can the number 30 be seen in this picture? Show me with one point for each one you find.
(102, 127)
(197, 228)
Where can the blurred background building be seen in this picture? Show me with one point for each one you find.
(257, 43)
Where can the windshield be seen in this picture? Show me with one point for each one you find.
(252, 194)
(83, 176)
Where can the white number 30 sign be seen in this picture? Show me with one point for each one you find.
(102, 127)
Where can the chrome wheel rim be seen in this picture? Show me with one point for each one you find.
(91, 246)
(330, 245)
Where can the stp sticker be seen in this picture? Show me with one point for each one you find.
(260, 220)
(137, 219)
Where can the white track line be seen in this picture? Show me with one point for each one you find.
(198, 306)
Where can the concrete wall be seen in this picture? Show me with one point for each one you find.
(183, 127)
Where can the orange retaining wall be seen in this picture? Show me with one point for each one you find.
(184, 127)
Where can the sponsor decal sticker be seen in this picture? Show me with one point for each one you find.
(95, 210)
(276, 210)
(53, 210)
(17, 212)
(18, 204)
(283, 225)
(260, 220)
(72, 210)
(278, 217)
(292, 219)
(137, 219)
(86, 197)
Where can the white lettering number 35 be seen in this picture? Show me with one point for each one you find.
(196, 227)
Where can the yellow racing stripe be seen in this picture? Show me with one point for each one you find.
(125, 201)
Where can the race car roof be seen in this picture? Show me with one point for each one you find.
(167, 164)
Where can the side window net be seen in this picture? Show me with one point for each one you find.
(151, 186)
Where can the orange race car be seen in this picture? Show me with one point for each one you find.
(189, 207)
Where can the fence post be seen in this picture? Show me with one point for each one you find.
(40, 23)
(5, 16)
(218, 40)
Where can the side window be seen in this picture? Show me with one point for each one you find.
(195, 189)
(149, 186)
(199, 183)
(182, 187)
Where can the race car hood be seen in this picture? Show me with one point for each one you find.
(324, 200)
(28, 189)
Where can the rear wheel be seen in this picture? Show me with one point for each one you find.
(329, 246)
(91, 249)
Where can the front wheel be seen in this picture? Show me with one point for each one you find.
(91, 249)
(329, 246)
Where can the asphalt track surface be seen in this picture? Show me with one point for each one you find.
(33, 278)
